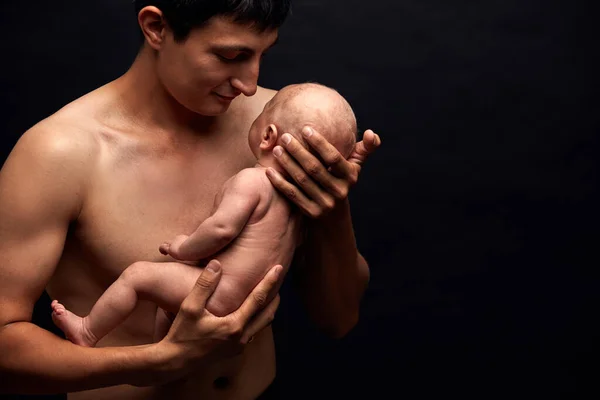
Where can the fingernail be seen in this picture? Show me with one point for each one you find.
(286, 138)
(213, 267)
(307, 132)
(278, 270)
(278, 152)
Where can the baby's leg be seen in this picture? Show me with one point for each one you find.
(162, 324)
(165, 284)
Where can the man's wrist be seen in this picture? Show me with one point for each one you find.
(164, 363)
(338, 218)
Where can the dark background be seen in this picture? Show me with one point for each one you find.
(478, 215)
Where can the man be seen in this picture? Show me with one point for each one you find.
(101, 183)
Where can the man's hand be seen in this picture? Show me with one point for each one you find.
(321, 185)
(198, 338)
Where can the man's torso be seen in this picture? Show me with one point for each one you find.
(146, 188)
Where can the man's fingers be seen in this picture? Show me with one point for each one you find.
(369, 144)
(294, 194)
(205, 285)
(334, 164)
(371, 140)
(261, 321)
(328, 152)
(296, 171)
(306, 168)
(333, 159)
(359, 155)
(257, 300)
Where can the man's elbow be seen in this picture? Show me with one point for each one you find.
(335, 323)
(345, 323)
(364, 274)
(342, 327)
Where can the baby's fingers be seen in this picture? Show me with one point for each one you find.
(173, 248)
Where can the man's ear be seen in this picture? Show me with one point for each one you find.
(269, 137)
(153, 26)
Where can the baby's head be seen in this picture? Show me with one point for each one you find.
(306, 104)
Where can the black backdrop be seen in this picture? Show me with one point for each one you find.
(477, 215)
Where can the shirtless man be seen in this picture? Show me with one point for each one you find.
(251, 226)
(93, 189)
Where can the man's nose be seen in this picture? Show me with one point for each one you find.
(247, 79)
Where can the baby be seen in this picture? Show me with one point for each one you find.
(252, 227)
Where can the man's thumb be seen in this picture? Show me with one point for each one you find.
(205, 286)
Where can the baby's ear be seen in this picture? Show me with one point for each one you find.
(269, 137)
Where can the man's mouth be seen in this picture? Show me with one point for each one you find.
(226, 98)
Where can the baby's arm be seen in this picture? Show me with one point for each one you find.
(240, 197)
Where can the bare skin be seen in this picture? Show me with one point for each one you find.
(108, 233)
(98, 185)
(268, 235)
(251, 226)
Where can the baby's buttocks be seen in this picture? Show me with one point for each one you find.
(260, 246)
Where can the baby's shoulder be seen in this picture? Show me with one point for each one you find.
(251, 179)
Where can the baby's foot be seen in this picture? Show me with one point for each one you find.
(72, 326)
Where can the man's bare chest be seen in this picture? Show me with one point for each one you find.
(133, 205)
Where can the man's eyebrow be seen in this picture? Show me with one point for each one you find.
(242, 49)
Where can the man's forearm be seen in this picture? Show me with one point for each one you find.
(334, 275)
(35, 361)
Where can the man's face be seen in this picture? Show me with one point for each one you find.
(213, 65)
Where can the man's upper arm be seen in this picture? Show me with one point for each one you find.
(40, 194)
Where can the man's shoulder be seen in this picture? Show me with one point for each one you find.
(63, 131)
(52, 162)
(59, 139)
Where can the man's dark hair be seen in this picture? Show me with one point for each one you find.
(184, 15)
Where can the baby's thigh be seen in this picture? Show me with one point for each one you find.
(165, 284)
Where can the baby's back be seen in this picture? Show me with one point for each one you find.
(268, 239)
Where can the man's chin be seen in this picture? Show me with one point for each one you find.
(213, 110)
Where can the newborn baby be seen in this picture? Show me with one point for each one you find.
(252, 227)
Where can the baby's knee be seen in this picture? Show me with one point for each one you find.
(135, 273)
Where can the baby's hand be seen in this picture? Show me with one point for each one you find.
(173, 248)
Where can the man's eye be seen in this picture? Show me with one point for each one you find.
(232, 57)
(226, 57)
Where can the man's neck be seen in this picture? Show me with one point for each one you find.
(146, 103)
